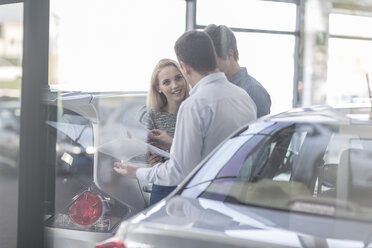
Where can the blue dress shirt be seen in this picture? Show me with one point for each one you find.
(256, 91)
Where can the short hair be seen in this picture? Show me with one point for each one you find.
(223, 39)
(196, 49)
(157, 101)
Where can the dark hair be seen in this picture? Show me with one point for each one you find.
(196, 49)
(223, 39)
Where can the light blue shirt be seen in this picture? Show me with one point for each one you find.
(214, 110)
(256, 91)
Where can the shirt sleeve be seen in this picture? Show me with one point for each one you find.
(262, 100)
(185, 152)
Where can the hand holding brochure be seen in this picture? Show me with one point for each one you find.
(154, 149)
(129, 142)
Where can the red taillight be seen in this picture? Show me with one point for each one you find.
(113, 242)
(87, 209)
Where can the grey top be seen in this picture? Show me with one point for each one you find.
(256, 91)
(162, 120)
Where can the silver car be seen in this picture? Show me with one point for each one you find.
(298, 179)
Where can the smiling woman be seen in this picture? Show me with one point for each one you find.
(168, 90)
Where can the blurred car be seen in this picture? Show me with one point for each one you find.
(85, 199)
(8, 71)
(9, 134)
(298, 179)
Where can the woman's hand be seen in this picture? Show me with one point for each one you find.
(125, 169)
(160, 139)
(153, 158)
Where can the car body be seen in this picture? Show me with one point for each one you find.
(85, 199)
(298, 179)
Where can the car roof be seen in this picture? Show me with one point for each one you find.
(352, 115)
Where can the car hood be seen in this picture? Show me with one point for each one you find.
(201, 222)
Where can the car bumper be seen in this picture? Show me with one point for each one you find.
(58, 238)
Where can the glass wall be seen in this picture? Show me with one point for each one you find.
(265, 32)
(105, 51)
(259, 15)
(101, 57)
(270, 59)
(111, 45)
(349, 61)
(11, 51)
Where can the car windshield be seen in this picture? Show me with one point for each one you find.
(320, 168)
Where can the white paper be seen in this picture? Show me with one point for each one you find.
(127, 140)
(128, 148)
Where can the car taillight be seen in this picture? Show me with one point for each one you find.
(87, 210)
(113, 242)
(91, 210)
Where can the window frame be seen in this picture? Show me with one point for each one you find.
(191, 24)
(31, 179)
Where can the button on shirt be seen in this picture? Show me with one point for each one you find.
(214, 109)
(256, 91)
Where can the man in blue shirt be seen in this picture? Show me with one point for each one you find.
(227, 57)
(214, 109)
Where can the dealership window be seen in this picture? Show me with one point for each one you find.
(349, 61)
(109, 48)
(111, 45)
(11, 51)
(266, 36)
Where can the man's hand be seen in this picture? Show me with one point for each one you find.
(153, 158)
(125, 169)
(160, 139)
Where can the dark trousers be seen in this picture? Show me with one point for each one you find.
(159, 192)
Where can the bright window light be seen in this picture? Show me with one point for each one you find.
(349, 60)
(267, 15)
(270, 59)
(105, 45)
(347, 69)
(350, 25)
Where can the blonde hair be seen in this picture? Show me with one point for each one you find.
(157, 101)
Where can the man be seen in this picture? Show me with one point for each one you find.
(227, 57)
(214, 109)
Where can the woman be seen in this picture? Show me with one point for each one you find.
(168, 89)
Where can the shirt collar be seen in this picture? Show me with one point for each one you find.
(206, 80)
(242, 73)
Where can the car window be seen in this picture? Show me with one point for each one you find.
(313, 168)
(284, 171)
